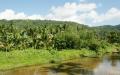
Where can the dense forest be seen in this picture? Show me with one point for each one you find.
(57, 35)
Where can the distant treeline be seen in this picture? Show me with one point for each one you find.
(37, 34)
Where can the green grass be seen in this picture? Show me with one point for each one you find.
(18, 58)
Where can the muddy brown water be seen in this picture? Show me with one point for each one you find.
(109, 65)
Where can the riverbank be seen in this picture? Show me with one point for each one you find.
(18, 58)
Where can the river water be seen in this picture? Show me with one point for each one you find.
(109, 65)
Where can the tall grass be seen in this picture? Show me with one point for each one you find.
(17, 58)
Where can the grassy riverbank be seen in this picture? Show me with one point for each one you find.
(17, 58)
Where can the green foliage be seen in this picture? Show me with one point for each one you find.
(37, 34)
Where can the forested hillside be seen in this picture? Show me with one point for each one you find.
(109, 27)
(58, 35)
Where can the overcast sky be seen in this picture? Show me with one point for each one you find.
(91, 12)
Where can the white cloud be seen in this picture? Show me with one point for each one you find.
(10, 14)
(34, 17)
(72, 11)
(84, 12)
(111, 14)
(79, 12)
(72, 8)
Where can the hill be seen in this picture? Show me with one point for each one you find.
(22, 34)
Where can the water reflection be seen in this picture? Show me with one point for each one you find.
(82, 66)
(109, 66)
(71, 69)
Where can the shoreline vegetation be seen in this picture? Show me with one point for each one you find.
(21, 58)
(30, 42)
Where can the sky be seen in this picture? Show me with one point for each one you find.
(90, 12)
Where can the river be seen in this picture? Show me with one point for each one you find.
(109, 65)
